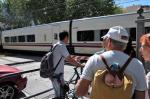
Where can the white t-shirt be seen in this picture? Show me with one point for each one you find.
(60, 51)
(135, 68)
(148, 84)
(148, 79)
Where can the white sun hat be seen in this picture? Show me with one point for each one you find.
(117, 33)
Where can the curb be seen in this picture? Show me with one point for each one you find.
(20, 63)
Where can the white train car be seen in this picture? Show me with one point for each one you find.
(34, 38)
(85, 34)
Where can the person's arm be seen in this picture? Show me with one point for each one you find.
(82, 87)
(74, 62)
(86, 78)
(139, 94)
(141, 85)
(63, 50)
(148, 83)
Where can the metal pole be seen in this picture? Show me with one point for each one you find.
(139, 31)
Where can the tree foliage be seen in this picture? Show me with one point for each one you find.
(13, 12)
(88, 8)
(26, 12)
(46, 11)
(1, 14)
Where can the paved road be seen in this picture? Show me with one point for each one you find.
(35, 83)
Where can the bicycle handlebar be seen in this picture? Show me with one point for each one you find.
(83, 61)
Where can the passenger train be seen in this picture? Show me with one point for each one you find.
(85, 34)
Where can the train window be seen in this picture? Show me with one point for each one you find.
(96, 35)
(13, 39)
(30, 38)
(102, 33)
(21, 38)
(147, 30)
(133, 34)
(85, 35)
(7, 39)
(55, 36)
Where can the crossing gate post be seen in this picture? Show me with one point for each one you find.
(139, 31)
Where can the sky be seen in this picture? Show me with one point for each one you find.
(125, 3)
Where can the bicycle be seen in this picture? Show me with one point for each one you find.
(73, 80)
(71, 83)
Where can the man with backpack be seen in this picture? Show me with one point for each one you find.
(113, 74)
(60, 53)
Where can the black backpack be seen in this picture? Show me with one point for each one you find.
(47, 68)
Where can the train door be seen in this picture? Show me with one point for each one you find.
(74, 35)
(55, 31)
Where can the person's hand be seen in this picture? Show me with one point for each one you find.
(80, 65)
(83, 64)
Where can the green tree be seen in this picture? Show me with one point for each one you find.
(57, 10)
(34, 10)
(45, 11)
(25, 12)
(118, 10)
(2, 18)
(13, 13)
(87, 8)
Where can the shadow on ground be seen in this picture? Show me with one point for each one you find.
(20, 95)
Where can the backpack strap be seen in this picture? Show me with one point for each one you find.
(59, 59)
(105, 62)
(125, 65)
(53, 47)
(120, 72)
(58, 63)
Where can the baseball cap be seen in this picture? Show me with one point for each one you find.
(117, 33)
